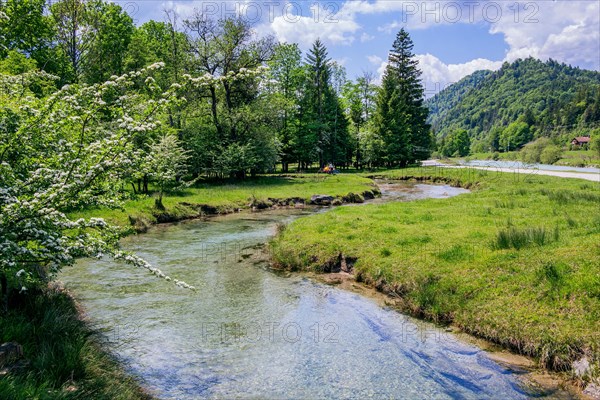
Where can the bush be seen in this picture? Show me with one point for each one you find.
(531, 152)
(551, 154)
(595, 143)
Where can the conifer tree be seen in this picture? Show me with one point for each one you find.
(323, 120)
(400, 118)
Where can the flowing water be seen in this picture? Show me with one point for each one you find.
(248, 332)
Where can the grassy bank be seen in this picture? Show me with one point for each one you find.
(516, 261)
(580, 158)
(228, 196)
(64, 358)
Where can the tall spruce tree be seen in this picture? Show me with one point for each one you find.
(321, 113)
(285, 69)
(400, 118)
(317, 85)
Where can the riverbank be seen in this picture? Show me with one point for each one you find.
(545, 383)
(228, 197)
(505, 263)
(63, 357)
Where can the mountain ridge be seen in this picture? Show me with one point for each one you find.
(551, 98)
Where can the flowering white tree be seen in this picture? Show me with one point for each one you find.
(165, 163)
(62, 153)
(3, 19)
(68, 151)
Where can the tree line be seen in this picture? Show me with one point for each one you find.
(300, 112)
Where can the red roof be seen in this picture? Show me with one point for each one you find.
(582, 139)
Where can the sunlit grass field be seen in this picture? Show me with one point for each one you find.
(235, 194)
(516, 261)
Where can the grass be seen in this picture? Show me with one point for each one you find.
(233, 195)
(580, 158)
(504, 156)
(516, 261)
(520, 238)
(65, 358)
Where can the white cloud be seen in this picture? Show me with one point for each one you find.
(341, 61)
(335, 29)
(380, 71)
(436, 75)
(565, 31)
(376, 60)
(365, 37)
(392, 26)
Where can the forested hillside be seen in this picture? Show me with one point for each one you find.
(532, 97)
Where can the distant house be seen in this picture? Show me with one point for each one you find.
(580, 141)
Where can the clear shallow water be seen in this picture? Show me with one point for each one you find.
(408, 191)
(250, 333)
(521, 165)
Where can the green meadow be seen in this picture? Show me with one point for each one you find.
(227, 196)
(516, 261)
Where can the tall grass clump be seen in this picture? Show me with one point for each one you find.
(510, 204)
(564, 197)
(570, 221)
(516, 238)
(555, 276)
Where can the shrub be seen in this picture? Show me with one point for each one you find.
(551, 154)
(555, 276)
(531, 152)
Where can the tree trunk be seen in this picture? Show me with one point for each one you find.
(158, 204)
(213, 109)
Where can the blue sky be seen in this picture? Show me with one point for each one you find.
(452, 38)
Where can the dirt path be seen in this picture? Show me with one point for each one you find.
(563, 174)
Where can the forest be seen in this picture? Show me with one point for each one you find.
(525, 100)
(270, 104)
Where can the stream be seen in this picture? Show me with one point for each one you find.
(249, 332)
